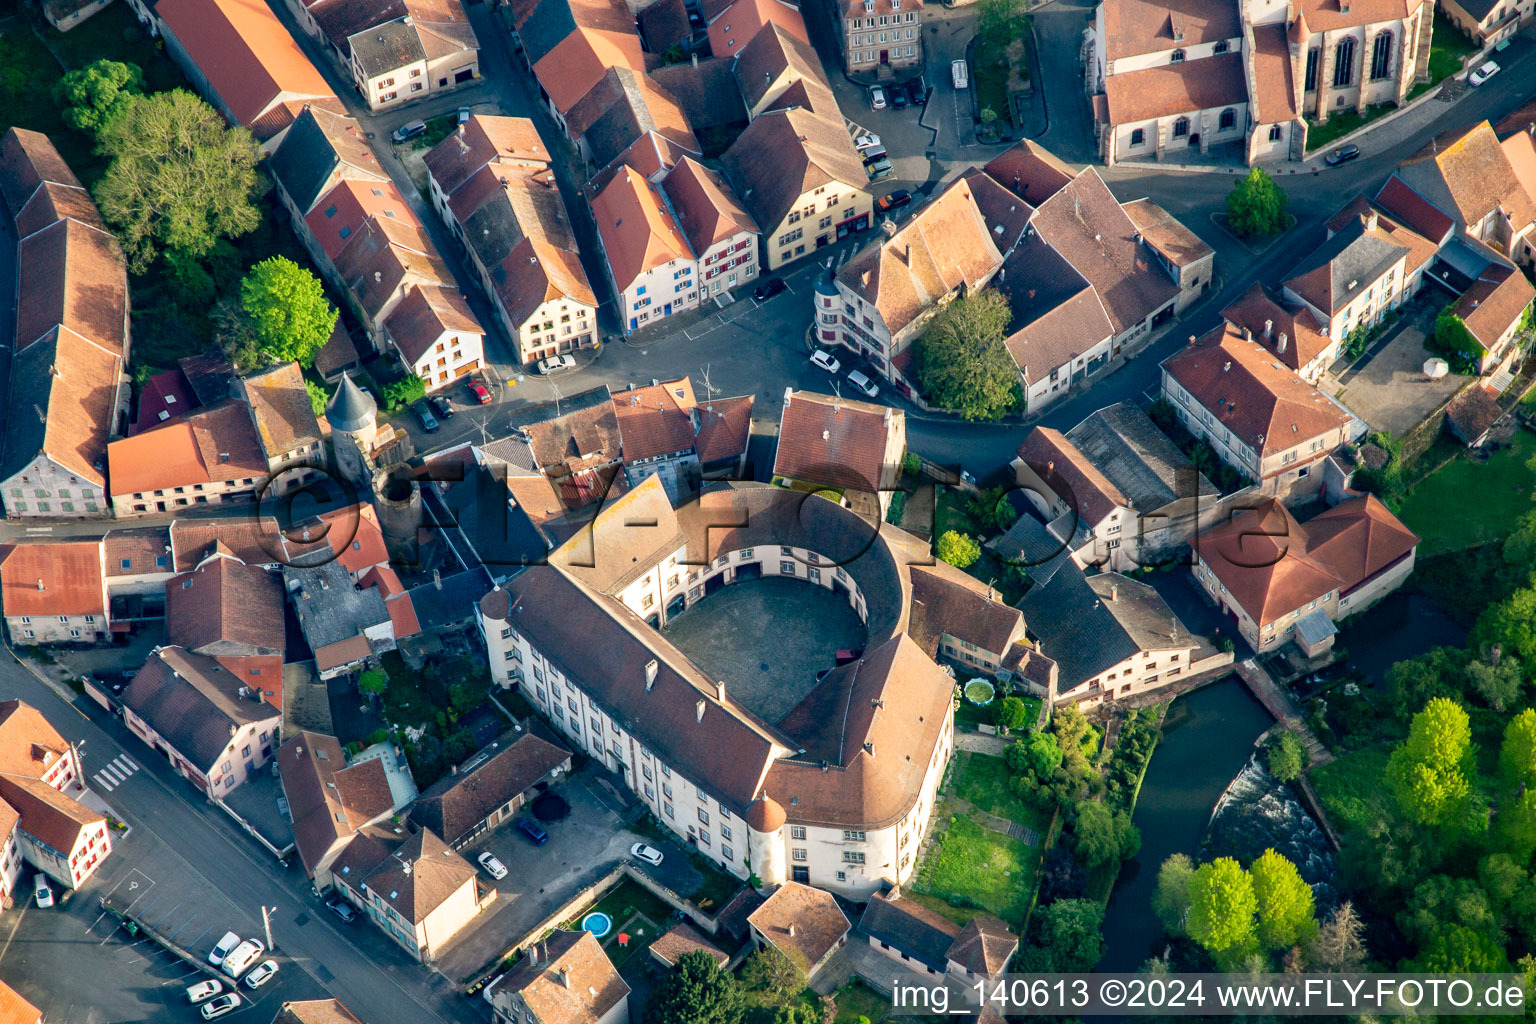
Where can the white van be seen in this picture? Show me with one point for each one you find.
(244, 955)
(960, 73)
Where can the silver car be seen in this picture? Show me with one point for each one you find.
(863, 383)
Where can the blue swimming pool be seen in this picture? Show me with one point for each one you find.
(598, 923)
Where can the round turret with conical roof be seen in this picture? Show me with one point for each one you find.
(351, 409)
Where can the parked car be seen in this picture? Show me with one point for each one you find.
(879, 169)
(224, 948)
(493, 867)
(826, 360)
(876, 98)
(917, 91)
(204, 990)
(874, 153)
(531, 829)
(768, 288)
(960, 73)
(867, 141)
(424, 416)
(478, 391)
(342, 909)
(1343, 155)
(244, 955)
(556, 364)
(895, 201)
(1486, 71)
(863, 383)
(649, 854)
(407, 132)
(441, 406)
(261, 974)
(899, 98)
(42, 891)
(220, 1006)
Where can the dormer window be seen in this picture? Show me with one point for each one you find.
(1222, 46)
(1177, 57)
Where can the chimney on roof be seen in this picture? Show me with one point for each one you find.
(1269, 327)
(791, 930)
(869, 747)
(698, 711)
(1191, 339)
(40, 587)
(906, 257)
(437, 579)
(695, 58)
(720, 690)
(564, 975)
(1114, 592)
(1226, 366)
(1281, 344)
(533, 954)
(1247, 333)
(650, 674)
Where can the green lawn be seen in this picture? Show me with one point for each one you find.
(1351, 788)
(1340, 125)
(984, 780)
(1446, 50)
(621, 903)
(972, 864)
(1438, 508)
(855, 1000)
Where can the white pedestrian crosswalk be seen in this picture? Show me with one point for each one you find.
(115, 772)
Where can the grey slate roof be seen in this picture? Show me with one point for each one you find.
(329, 606)
(1125, 445)
(451, 600)
(457, 803)
(546, 28)
(1356, 259)
(350, 408)
(1028, 543)
(193, 702)
(516, 452)
(912, 928)
(1086, 632)
(1315, 627)
(500, 533)
(386, 47)
(308, 155)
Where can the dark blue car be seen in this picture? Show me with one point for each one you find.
(531, 829)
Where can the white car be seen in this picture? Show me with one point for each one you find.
(876, 98)
(224, 948)
(204, 990)
(220, 1006)
(261, 974)
(245, 954)
(826, 360)
(867, 141)
(863, 383)
(42, 891)
(493, 867)
(649, 854)
(556, 364)
(1483, 73)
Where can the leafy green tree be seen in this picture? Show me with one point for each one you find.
(459, 746)
(291, 316)
(318, 399)
(403, 392)
(179, 177)
(465, 697)
(999, 21)
(1287, 757)
(1105, 836)
(1511, 624)
(1430, 772)
(1457, 949)
(1221, 909)
(94, 94)
(962, 364)
(1077, 738)
(1256, 206)
(372, 680)
(1009, 714)
(770, 972)
(1171, 899)
(991, 509)
(696, 991)
(1516, 823)
(1285, 902)
(1497, 684)
(1071, 934)
(958, 549)
(1340, 944)
(1036, 754)
(797, 1013)
(1453, 340)
(1520, 546)
(1413, 683)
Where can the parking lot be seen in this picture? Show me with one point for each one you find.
(585, 845)
(78, 966)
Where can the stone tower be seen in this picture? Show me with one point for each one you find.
(397, 500)
(352, 414)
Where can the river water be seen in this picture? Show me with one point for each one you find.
(1207, 739)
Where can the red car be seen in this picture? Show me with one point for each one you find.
(478, 391)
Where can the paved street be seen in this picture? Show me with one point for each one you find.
(205, 876)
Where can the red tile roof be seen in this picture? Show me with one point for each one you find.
(1413, 209)
(735, 26)
(213, 445)
(53, 578)
(638, 230)
(1134, 27)
(1250, 393)
(1274, 92)
(835, 442)
(706, 206)
(1169, 89)
(343, 210)
(244, 52)
(655, 420)
(1256, 307)
(425, 314)
(16, 1010)
(1496, 300)
(226, 608)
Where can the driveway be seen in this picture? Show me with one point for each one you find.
(1387, 387)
